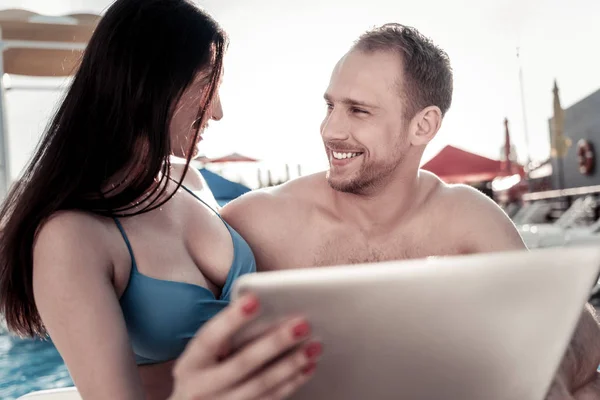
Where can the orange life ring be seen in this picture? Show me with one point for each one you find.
(586, 156)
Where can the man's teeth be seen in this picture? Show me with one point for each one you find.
(342, 156)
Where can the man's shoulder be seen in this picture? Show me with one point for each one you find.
(292, 196)
(458, 197)
(465, 197)
(304, 187)
(295, 191)
(474, 217)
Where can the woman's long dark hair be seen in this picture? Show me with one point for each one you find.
(114, 121)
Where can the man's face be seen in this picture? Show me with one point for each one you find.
(365, 130)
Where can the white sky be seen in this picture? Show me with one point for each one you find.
(282, 53)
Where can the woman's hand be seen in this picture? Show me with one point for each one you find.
(202, 373)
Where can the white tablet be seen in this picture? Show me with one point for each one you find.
(492, 326)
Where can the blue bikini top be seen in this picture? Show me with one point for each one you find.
(162, 316)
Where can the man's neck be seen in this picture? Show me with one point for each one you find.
(384, 206)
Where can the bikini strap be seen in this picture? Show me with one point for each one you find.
(126, 239)
(200, 200)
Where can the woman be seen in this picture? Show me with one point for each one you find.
(104, 248)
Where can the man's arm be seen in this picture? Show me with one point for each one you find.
(257, 217)
(578, 372)
(487, 228)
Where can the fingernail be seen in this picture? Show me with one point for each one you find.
(309, 369)
(313, 350)
(250, 306)
(300, 330)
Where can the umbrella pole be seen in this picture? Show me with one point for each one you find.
(4, 148)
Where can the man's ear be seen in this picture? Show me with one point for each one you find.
(425, 125)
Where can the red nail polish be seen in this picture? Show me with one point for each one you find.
(313, 350)
(300, 330)
(250, 306)
(309, 369)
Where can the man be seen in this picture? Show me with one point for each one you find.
(385, 102)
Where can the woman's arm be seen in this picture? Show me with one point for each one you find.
(76, 298)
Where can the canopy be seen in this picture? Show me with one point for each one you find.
(32, 44)
(39, 45)
(454, 165)
(223, 189)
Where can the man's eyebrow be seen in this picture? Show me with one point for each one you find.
(349, 101)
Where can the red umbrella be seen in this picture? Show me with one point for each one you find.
(202, 159)
(454, 165)
(233, 157)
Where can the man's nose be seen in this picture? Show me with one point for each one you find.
(335, 126)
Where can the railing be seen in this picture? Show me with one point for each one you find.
(557, 194)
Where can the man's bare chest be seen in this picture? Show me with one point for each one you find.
(336, 247)
(347, 250)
